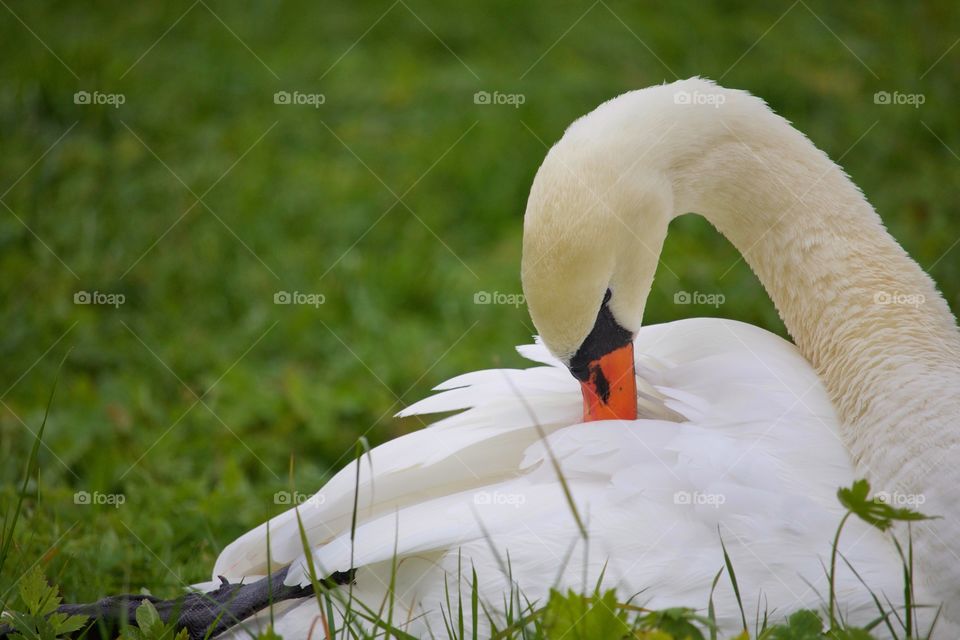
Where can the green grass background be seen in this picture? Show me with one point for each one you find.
(302, 199)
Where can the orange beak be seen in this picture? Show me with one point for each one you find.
(610, 392)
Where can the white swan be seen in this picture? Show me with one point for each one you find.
(740, 434)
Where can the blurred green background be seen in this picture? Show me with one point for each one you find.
(199, 198)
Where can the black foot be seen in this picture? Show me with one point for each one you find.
(203, 615)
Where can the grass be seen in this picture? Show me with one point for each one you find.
(569, 614)
(190, 399)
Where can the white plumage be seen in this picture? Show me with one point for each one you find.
(752, 455)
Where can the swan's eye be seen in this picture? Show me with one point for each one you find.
(580, 370)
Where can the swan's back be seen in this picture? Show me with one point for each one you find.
(741, 442)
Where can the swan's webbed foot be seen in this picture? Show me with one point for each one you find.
(203, 615)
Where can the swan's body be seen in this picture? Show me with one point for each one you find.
(758, 433)
(757, 460)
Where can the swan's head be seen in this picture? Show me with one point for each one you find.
(591, 243)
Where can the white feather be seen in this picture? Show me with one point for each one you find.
(756, 461)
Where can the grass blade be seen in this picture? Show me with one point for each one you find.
(33, 466)
(711, 610)
(474, 600)
(733, 579)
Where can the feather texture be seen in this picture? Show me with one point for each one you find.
(745, 448)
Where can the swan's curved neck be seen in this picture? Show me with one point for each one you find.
(867, 317)
(861, 311)
(859, 308)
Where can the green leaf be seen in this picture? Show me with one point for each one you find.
(64, 624)
(802, 625)
(151, 627)
(41, 621)
(677, 621)
(577, 617)
(874, 511)
(38, 597)
(132, 633)
(850, 634)
(148, 619)
(654, 634)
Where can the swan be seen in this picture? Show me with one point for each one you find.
(670, 438)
